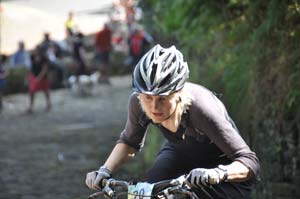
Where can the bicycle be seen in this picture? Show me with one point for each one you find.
(142, 190)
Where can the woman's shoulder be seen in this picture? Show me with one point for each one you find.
(134, 103)
(197, 92)
(135, 110)
(203, 100)
(196, 87)
(133, 99)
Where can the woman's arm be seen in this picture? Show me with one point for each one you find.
(237, 172)
(121, 154)
(210, 116)
(43, 72)
(234, 172)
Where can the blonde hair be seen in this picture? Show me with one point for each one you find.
(182, 107)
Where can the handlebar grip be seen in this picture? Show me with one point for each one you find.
(109, 191)
(103, 182)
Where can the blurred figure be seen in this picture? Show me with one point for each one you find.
(21, 58)
(3, 74)
(130, 14)
(46, 43)
(78, 55)
(117, 14)
(2, 83)
(139, 41)
(70, 24)
(38, 79)
(118, 26)
(52, 51)
(133, 13)
(103, 49)
(83, 85)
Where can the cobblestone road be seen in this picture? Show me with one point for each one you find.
(47, 154)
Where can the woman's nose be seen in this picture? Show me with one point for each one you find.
(155, 105)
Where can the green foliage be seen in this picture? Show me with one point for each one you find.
(16, 80)
(153, 145)
(249, 50)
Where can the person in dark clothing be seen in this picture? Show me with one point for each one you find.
(202, 140)
(49, 43)
(3, 75)
(38, 79)
(53, 52)
(78, 55)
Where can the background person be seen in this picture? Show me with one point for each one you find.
(51, 50)
(103, 50)
(78, 55)
(38, 79)
(139, 41)
(203, 141)
(21, 58)
(3, 74)
(70, 24)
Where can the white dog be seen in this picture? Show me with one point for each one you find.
(85, 84)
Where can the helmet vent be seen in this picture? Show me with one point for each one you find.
(179, 70)
(152, 56)
(142, 83)
(164, 81)
(174, 60)
(153, 72)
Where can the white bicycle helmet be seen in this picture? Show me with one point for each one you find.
(161, 71)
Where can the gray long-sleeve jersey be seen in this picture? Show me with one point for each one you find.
(206, 121)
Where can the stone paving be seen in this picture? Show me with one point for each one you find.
(47, 154)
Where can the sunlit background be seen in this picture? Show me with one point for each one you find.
(28, 19)
(247, 51)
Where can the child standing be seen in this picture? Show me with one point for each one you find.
(38, 79)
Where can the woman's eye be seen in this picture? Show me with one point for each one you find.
(148, 98)
(162, 99)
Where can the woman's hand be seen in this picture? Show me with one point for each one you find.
(201, 176)
(93, 179)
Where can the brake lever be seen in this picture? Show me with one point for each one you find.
(107, 188)
(178, 181)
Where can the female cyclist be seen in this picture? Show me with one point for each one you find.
(203, 141)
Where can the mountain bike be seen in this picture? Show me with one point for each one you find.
(175, 188)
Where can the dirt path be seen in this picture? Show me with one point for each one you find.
(47, 154)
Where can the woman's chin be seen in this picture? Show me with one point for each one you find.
(157, 120)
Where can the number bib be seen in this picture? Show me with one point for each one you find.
(141, 190)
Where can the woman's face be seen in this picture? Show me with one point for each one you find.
(158, 108)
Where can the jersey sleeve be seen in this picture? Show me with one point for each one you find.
(136, 126)
(221, 130)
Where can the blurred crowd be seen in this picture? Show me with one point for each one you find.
(63, 64)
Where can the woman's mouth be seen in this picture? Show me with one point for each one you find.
(157, 114)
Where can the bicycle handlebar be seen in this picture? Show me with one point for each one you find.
(157, 190)
(110, 184)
